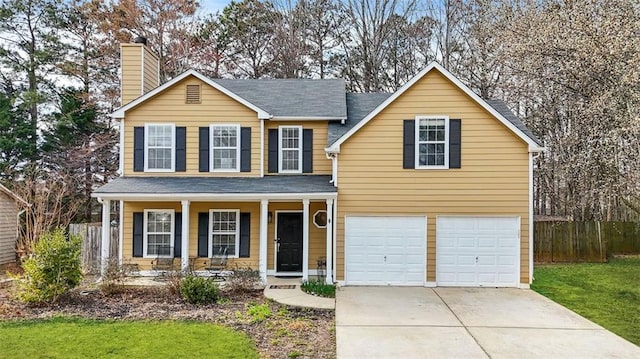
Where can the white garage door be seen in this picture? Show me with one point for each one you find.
(477, 251)
(385, 250)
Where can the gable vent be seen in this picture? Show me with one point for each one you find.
(193, 94)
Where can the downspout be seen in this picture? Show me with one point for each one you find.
(334, 167)
(121, 152)
(261, 148)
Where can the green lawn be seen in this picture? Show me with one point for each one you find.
(607, 293)
(81, 338)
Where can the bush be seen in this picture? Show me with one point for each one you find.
(52, 269)
(174, 281)
(319, 288)
(114, 278)
(199, 290)
(243, 280)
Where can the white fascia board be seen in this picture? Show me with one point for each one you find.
(533, 146)
(214, 197)
(119, 113)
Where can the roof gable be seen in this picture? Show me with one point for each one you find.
(519, 131)
(120, 113)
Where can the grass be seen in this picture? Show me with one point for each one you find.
(319, 288)
(605, 293)
(64, 337)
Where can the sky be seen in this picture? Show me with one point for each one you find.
(212, 6)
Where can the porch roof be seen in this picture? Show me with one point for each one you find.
(163, 187)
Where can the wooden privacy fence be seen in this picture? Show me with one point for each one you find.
(584, 241)
(91, 234)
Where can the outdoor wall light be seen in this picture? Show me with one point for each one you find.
(270, 217)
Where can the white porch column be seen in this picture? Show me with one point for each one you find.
(305, 239)
(106, 236)
(184, 250)
(264, 215)
(329, 228)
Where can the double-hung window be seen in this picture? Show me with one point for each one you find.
(290, 154)
(160, 147)
(432, 142)
(158, 232)
(225, 232)
(225, 145)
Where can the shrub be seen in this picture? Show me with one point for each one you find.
(114, 278)
(243, 280)
(199, 290)
(174, 281)
(319, 288)
(52, 269)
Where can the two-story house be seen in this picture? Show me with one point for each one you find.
(430, 185)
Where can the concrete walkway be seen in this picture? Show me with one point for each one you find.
(392, 322)
(295, 296)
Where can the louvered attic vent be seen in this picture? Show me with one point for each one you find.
(193, 94)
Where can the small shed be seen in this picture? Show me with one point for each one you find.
(9, 209)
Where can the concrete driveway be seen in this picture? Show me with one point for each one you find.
(403, 322)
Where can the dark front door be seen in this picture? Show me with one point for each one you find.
(289, 242)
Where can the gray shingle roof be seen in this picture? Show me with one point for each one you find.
(359, 105)
(504, 110)
(218, 185)
(292, 97)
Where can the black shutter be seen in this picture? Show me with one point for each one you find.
(245, 149)
(273, 151)
(177, 236)
(203, 234)
(455, 129)
(245, 239)
(138, 233)
(307, 151)
(409, 144)
(138, 149)
(181, 149)
(204, 149)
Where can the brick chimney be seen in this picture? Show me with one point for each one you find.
(140, 70)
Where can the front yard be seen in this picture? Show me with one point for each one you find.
(140, 322)
(606, 293)
(82, 338)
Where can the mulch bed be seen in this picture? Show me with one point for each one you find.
(288, 332)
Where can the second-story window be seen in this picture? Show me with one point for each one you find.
(159, 147)
(225, 147)
(290, 156)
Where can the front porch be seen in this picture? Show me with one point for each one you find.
(280, 230)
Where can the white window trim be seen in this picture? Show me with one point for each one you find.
(314, 218)
(417, 142)
(145, 234)
(280, 170)
(237, 232)
(238, 147)
(146, 147)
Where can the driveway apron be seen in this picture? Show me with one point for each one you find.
(414, 322)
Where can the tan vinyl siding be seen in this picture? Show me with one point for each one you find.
(493, 179)
(317, 236)
(321, 165)
(170, 107)
(8, 212)
(131, 77)
(151, 70)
